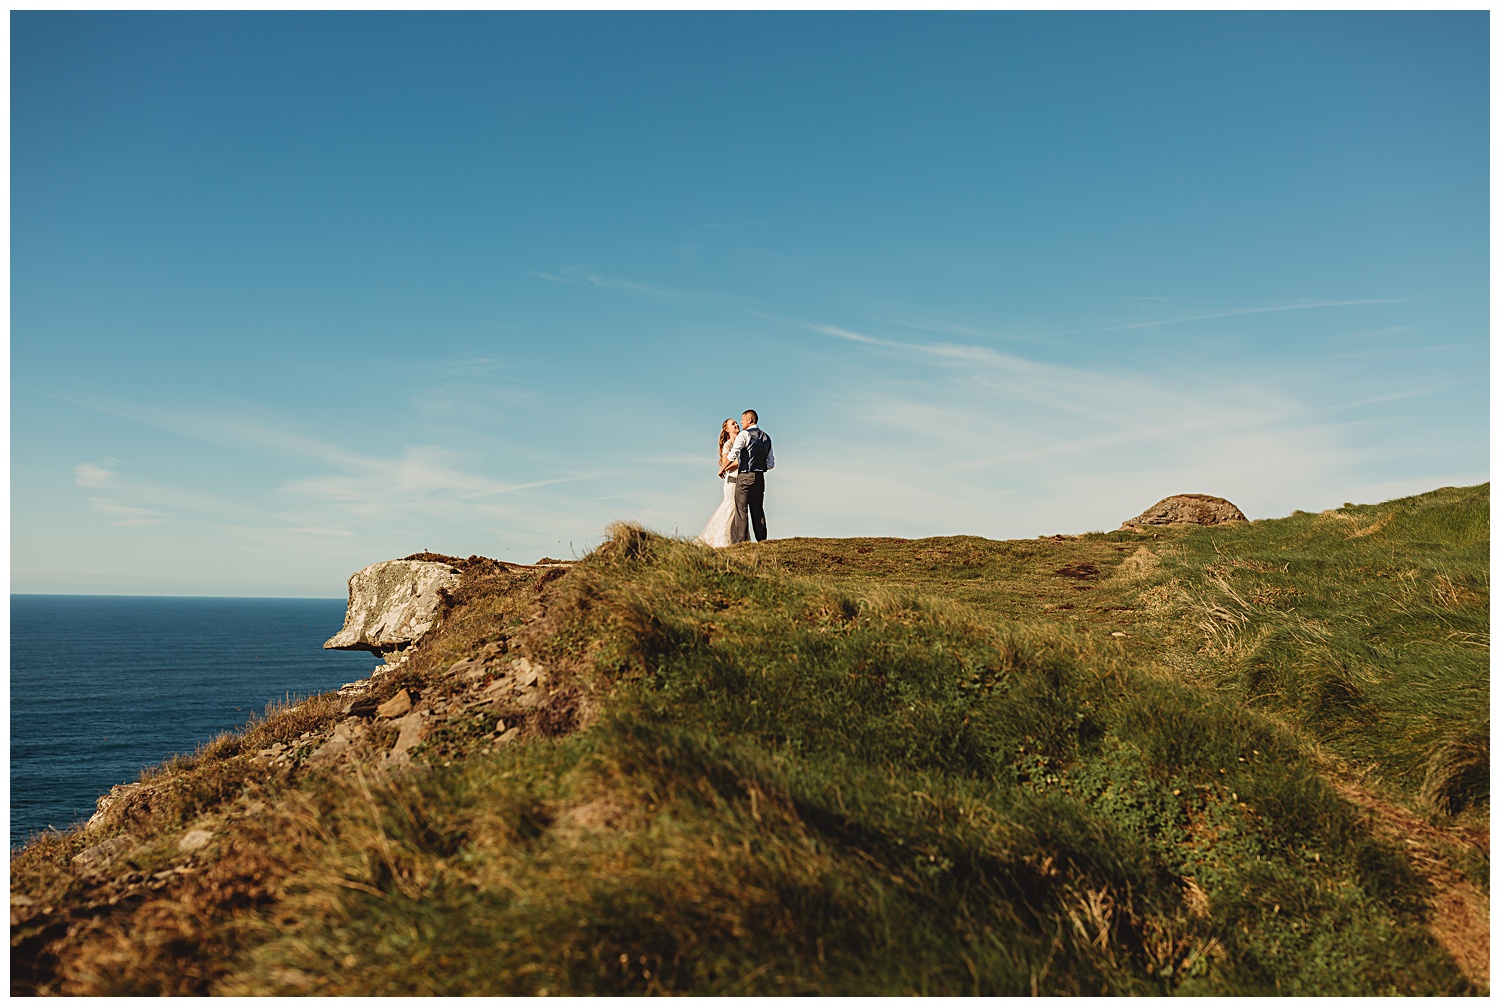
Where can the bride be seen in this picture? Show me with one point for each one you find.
(716, 533)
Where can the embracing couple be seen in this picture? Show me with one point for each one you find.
(744, 459)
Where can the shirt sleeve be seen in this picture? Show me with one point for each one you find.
(770, 457)
(739, 442)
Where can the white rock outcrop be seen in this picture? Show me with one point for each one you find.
(392, 604)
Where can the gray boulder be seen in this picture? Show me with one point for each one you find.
(102, 853)
(392, 604)
(1186, 508)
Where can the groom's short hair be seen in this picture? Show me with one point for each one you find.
(751, 413)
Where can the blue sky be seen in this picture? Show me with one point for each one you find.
(294, 293)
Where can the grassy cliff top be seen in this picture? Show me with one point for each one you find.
(1245, 759)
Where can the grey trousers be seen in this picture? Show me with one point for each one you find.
(749, 507)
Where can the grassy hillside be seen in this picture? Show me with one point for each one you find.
(1236, 760)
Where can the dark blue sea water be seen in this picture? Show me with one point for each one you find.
(101, 687)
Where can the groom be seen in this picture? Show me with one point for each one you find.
(751, 451)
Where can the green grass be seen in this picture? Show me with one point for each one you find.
(865, 767)
(1367, 627)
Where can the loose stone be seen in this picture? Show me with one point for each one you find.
(397, 705)
(101, 853)
(194, 841)
(411, 733)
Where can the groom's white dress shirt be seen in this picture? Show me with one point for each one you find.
(743, 441)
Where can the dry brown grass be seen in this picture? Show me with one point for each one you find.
(950, 766)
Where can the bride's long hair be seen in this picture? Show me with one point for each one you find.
(724, 434)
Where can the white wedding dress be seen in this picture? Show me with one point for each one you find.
(716, 532)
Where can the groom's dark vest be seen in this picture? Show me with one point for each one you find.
(753, 456)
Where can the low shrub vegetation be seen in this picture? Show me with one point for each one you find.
(1239, 760)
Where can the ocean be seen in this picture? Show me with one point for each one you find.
(102, 687)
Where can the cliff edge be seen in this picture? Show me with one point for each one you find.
(392, 604)
(1081, 765)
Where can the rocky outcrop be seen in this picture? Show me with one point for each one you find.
(489, 685)
(392, 604)
(117, 793)
(1186, 508)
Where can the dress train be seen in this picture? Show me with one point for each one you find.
(717, 532)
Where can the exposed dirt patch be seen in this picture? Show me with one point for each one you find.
(1078, 571)
(1138, 565)
(1460, 909)
(560, 713)
(1380, 524)
(608, 811)
(1271, 594)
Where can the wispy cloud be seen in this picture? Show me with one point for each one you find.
(1389, 330)
(417, 472)
(1158, 305)
(124, 515)
(943, 328)
(1379, 400)
(89, 475)
(475, 366)
(1075, 443)
(1049, 386)
(228, 430)
(952, 351)
(948, 351)
(989, 435)
(137, 501)
(1008, 465)
(853, 337)
(579, 278)
(1236, 312)
(1406, 351)
(352, 494)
